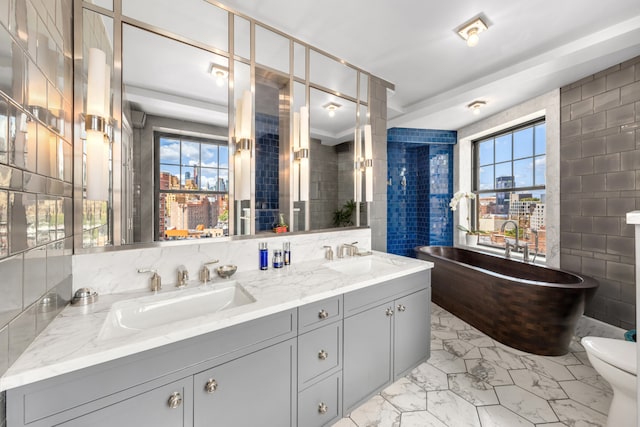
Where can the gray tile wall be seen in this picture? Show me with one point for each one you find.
(378, 113)
(36, 234)
(599, 184)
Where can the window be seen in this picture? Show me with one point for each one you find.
(192, 183)
(509, 171)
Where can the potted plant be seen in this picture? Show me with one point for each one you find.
(281, 226)
(471, 235)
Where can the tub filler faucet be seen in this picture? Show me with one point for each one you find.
(517, 246)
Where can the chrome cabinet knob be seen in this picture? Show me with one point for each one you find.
(322, 408)
(175, 400)
(389, 312)
(401, 307)
(211, 385)
(322, 355)
(323, 314)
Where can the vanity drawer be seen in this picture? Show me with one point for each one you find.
(319, 352)
(319, 313)
(320, 404)
(362, 299)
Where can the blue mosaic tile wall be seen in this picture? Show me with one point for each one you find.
(418, 213)
(267, 164)
(402, 187)
(440, 181)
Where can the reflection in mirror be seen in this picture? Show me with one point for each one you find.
(332, 74)
(333, 122)
(241, 37)
(197, 20)
(175, 132)
(299, 61)
(242, 154)
(272, 50)
(272, 196)
(107, 4)
(97, 38)
(364, 90)
(300, 215)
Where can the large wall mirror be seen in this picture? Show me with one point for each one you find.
(176, 169)
(174, 139)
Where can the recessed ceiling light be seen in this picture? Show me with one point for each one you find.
(470, 30)
(219, 73)
(475, 106)
(332, 107)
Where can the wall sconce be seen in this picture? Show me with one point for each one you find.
(219, 73)
(98, 126)
(475, 106)
(364, 165)
(301, 155)
(470, 31)
(243, 147)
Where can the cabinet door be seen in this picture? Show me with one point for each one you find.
(367, 354)
(412, 330)
(166, 406)
(255, 390)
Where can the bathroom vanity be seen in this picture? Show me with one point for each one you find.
(318, 339)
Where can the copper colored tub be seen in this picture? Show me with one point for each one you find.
(525, 306)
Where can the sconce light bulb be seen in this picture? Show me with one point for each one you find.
(332, 113)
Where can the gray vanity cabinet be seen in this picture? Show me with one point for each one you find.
(320, 363)
(165, 406)
(386, 333)
(254, 390)
(367, 354)
(411, 331)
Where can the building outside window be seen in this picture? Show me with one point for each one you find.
(192, 185)
(509, 183)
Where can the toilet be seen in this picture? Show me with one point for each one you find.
(616, 361)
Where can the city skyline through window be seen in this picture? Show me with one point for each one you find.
(192, 185)
(510, 170)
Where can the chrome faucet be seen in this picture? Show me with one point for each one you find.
(205, 273)
(155, 281)
(515, 224)
(183, 277)
(350, 248)
(328, 253)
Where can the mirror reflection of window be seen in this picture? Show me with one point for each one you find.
(177, 105)
(193, 184)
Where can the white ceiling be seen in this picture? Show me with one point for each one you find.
(530, 48)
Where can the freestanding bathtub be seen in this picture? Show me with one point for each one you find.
(525, 306)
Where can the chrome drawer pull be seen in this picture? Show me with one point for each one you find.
(322, 408)
(401, 307)
(175, 400)
(211, 385)
(323, 314)
(322, 355)
(389, 312)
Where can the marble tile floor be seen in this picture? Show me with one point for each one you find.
(470, 380)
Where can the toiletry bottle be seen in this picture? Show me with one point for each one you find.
(277, 258)
(264, 256)
(286, 247)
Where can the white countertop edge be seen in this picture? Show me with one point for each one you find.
(633, 217)
(19, 375)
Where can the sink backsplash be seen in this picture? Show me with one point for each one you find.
(117, 271)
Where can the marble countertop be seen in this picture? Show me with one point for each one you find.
(73, 340)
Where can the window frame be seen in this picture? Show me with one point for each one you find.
(515, 189)
(219, 141)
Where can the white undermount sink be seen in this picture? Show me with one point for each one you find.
(165, 309)
(361, 264)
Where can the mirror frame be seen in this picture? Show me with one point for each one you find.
(114, 203)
